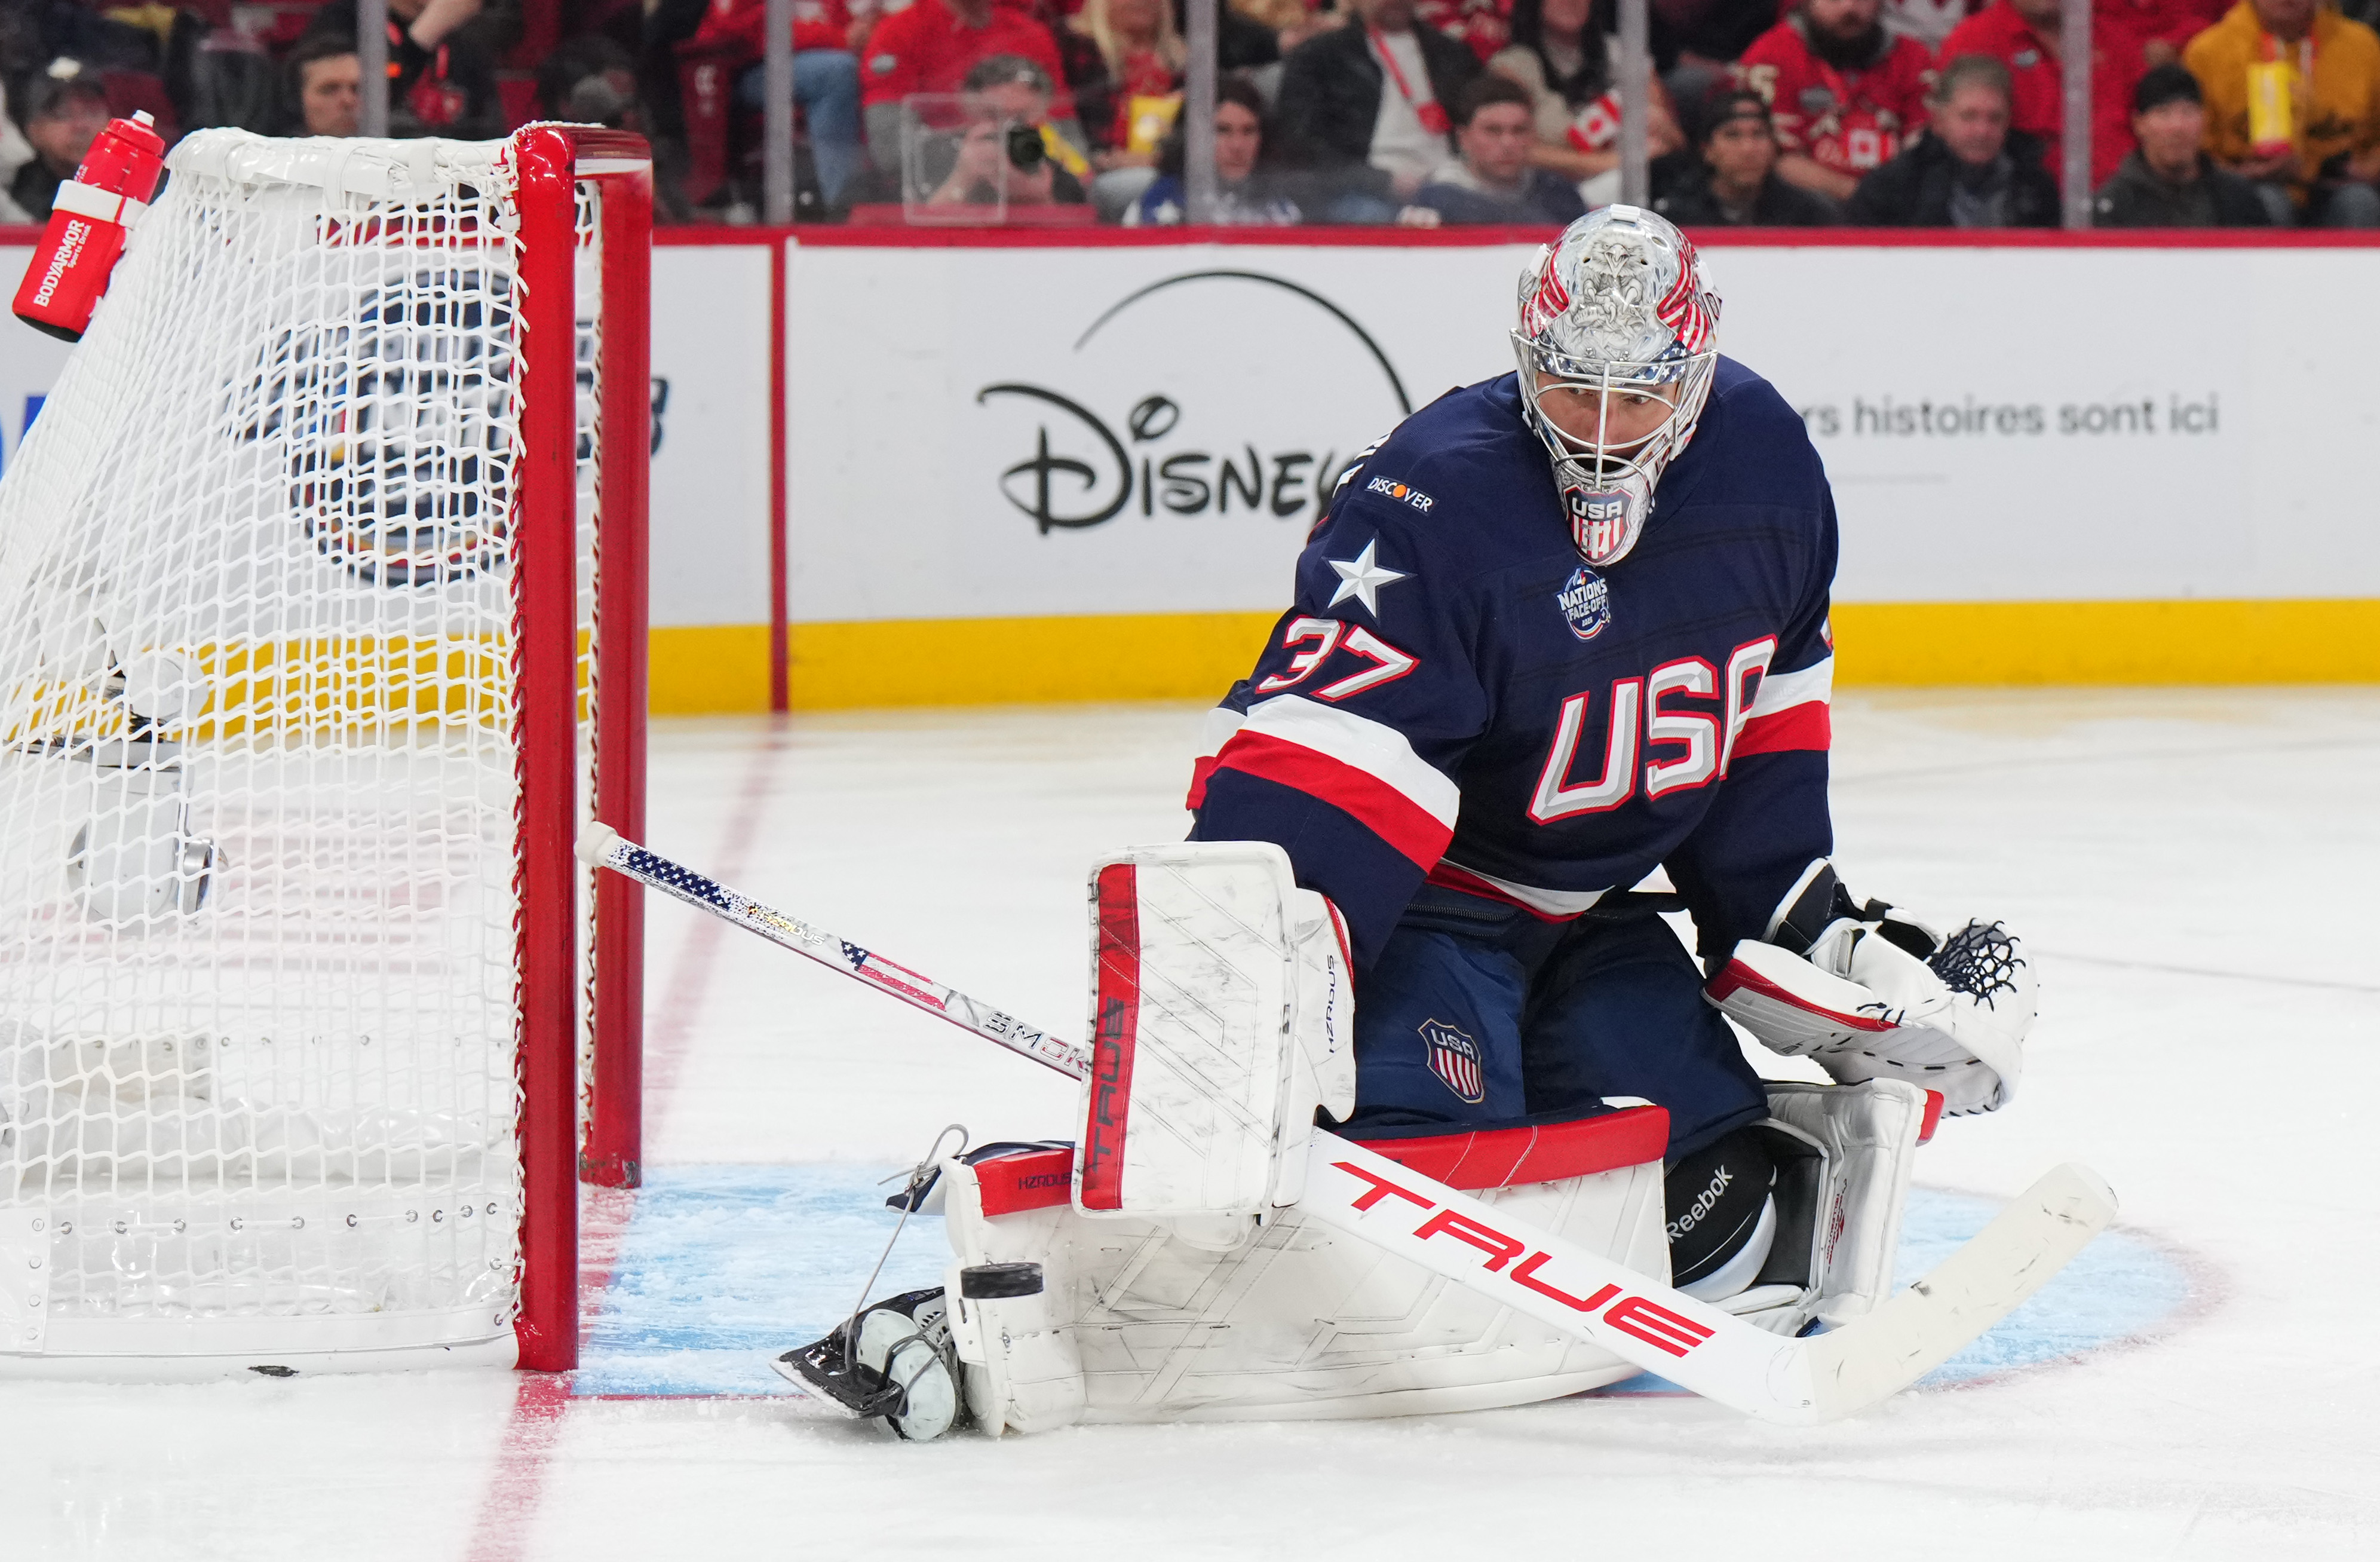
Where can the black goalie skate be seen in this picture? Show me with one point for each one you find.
(903, 1368)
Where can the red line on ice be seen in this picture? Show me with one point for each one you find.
(508, 1509)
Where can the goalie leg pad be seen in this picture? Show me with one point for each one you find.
(1297, 1320)
(1843, 1156)
(1222, 1017)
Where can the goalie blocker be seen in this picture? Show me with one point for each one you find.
(1172, 1270)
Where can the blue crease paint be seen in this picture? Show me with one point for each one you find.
(723, 1266)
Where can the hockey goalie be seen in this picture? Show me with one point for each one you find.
(1558, 665)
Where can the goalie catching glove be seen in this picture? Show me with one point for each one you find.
(1870, 992)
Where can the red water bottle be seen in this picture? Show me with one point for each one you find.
(88, 220)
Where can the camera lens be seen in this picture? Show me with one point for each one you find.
(1026, 152)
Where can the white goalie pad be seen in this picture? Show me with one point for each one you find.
(1840, 1200)
(1148, 1341)
(1222, 1017)
(1151, 1321)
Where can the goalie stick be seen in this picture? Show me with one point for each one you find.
(1693, 1344)
(602, 846)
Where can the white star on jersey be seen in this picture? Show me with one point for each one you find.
(1361, 578)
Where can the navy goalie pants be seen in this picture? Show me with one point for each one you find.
(1479, 1015)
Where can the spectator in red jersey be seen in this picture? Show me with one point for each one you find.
(2127, 37)
(1970, 169)
(1845, 94)
(2025, 36)
(1363, 105)
(930, 47)
(826, 76)
(2170, 181)
(1737, 186)
(1705, 38)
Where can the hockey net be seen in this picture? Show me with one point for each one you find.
(309, 666)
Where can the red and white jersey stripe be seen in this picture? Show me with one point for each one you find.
(1792, 711)
(1365, 768)
(1552, 904)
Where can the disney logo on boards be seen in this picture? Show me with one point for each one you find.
(1083, 471)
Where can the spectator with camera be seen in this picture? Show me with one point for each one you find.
(932, 46)
(1248, 192)
(1736, 184)
(1363, 106)
(1495, 131)
(1007, 155)
(2169, 180)
(1969, 170)
(1564, 53)
(1845, 94)
(2293, 105)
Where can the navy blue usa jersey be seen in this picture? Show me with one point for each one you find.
(1456, 696)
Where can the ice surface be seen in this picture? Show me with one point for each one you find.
(2192, 868)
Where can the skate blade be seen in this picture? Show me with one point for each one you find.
(818, 1371)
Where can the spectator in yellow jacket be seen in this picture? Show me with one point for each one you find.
(2294, 102)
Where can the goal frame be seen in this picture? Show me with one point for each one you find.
(577, 691)
(551, 160)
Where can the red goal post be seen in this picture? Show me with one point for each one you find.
(583, 1089)
(322, 629)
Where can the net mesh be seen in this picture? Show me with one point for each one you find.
(258, 768)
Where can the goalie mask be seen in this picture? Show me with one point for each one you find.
(1614, 310)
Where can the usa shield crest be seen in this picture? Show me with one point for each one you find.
(1455, 1058)
(1598, 522)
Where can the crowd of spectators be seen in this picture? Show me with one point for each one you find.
(1760, 112)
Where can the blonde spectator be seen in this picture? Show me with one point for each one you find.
(1563, 52)
(1128, 113)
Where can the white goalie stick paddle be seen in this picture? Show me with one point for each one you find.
(1795, 1382)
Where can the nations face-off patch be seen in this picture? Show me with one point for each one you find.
(1585, 602)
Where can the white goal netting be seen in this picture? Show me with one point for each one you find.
(258, 769)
